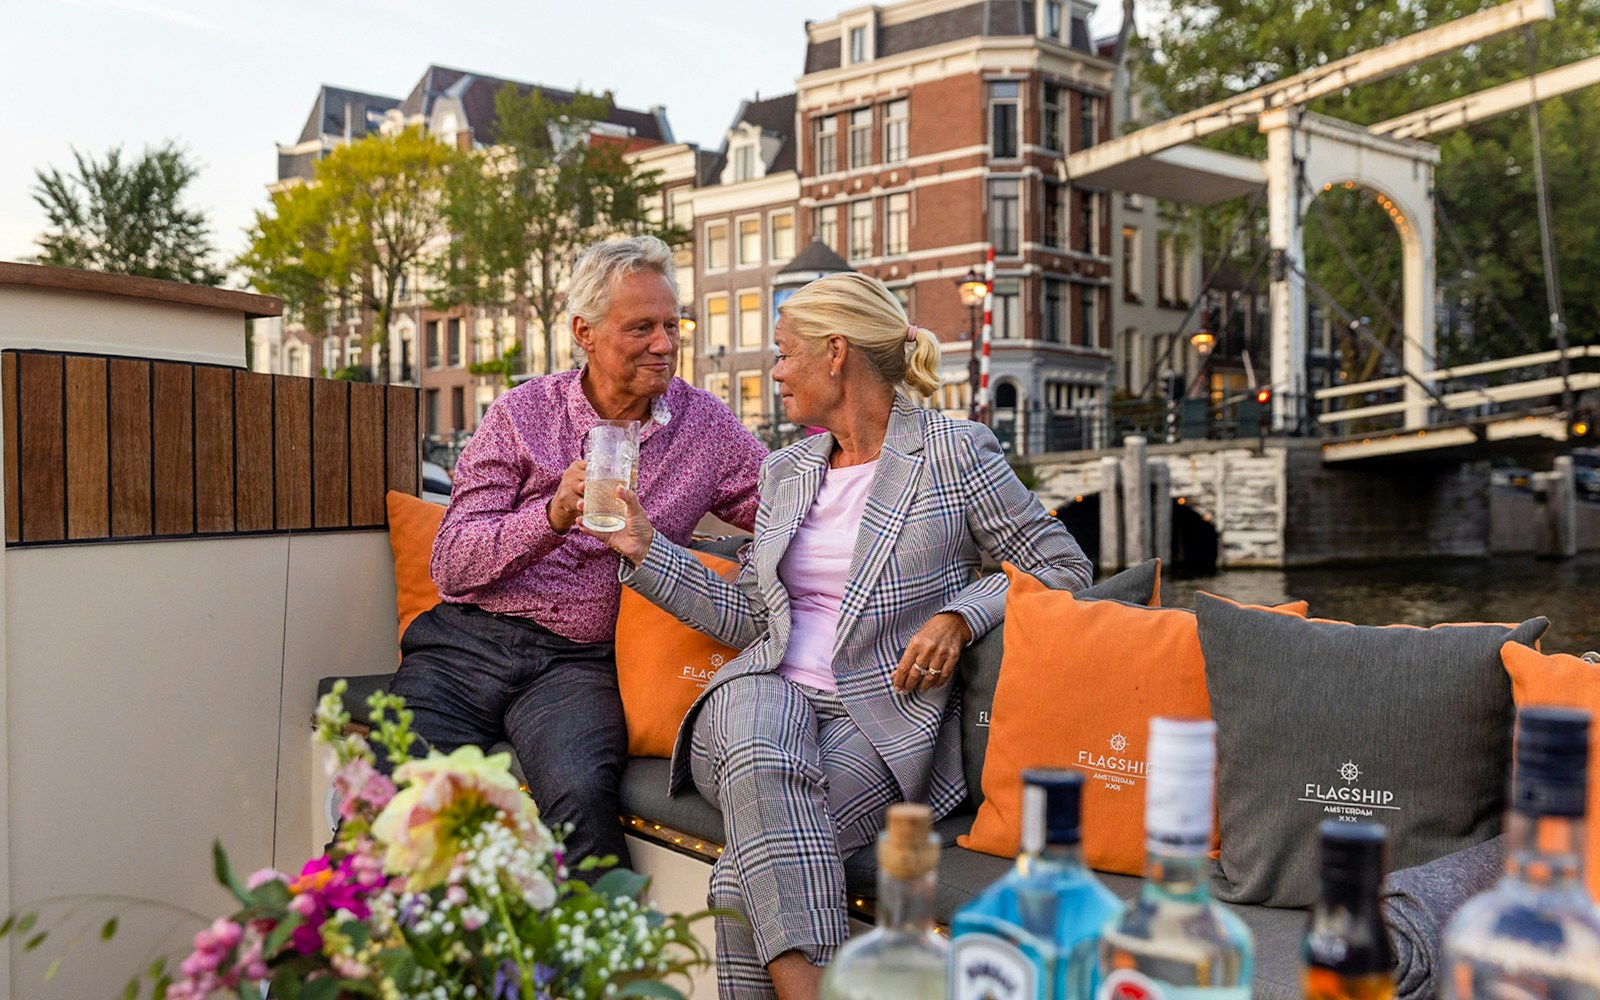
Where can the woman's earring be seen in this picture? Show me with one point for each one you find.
(834, 373)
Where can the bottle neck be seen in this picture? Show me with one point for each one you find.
(1545, 852)
(906, 904)
(1177, 877)
(1347, 934)
(1050, 858)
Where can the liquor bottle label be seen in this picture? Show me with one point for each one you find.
(1126, 984)
(986, 967)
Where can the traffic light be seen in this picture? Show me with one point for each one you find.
(1582, 428)
(1264, 395)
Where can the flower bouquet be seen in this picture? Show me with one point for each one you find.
(440, 884)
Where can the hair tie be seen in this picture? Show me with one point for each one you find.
(911, 333)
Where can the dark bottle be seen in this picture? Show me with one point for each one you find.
(1347, 950)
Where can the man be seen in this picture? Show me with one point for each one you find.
(521, 648)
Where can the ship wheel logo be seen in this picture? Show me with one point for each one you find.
(716, 660)
(1119, 743)
(1348, 771)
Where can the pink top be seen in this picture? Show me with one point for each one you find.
(496, 548)
(814, 570)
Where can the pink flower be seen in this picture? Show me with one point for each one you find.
(262, 876)
(360, 785)
(320, 890)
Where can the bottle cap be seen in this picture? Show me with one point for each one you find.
(907, 847)
(1552, 761)
(1352, 856)
(1183, 746)
(1180, 764)
(1051, 800)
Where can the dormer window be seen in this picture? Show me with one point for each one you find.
(1052, 19)
(858, 45)
(744, 163)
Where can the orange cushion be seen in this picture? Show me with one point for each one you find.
(1568, 682)
(662, 666)
(1079, 683)
(413, 523)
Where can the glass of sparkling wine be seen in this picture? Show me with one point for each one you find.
(613, 458)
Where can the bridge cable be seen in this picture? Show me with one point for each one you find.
(1552, 278)
(1469, 262)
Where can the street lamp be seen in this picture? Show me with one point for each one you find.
(972, 290)
(1203, 342)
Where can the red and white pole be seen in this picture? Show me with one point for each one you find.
(988, 335)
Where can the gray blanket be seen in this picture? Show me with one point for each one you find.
(1418, 903)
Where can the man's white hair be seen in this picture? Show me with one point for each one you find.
(594, 276)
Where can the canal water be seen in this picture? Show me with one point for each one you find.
(1502, 589)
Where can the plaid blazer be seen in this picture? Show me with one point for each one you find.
(942, 496)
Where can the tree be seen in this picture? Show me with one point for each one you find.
(369, 216)
(126, 217)
(1487, 242)
(548, 187)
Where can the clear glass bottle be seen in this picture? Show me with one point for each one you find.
(903, 957)
(1347, 950)
(1536, 933)
(1174, 940)
(1031, 933)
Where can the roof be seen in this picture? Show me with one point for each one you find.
(476, 92)
(328, 113)
(774, 116)
(985, 18)
(817, 257)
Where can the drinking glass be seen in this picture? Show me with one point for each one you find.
(612, 455)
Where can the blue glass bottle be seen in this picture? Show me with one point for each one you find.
(1031, 935)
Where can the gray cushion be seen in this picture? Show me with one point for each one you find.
(1321, 720)
(980, 669)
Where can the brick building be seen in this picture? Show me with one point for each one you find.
(933, 129)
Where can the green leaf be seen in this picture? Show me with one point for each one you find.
(108, 930)
(131, 991)
(55, 967)
(26, 923)
(286, 984)
(35, 941)
(649, 988)
(326, 988)
(5, 927)
(224, 873)
(620, 883)
(280, 935)
(158, 968)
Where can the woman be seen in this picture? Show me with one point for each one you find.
(852, 606)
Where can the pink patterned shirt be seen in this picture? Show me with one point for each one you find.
(496, 548)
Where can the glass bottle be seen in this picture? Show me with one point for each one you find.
(1347, 950)
(1536, 933)
(1031, 933)
(902, 957)
(1174, 940)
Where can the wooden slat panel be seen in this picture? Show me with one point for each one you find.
(292, 457)
(405, 440)
(368, 462)
(213, 446)
(88, 473)
(8, 395)
(131, 473)
(173, 426)
(43, 447)
(330, 453)
(253, 479)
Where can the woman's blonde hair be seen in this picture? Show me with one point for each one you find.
(864, 312)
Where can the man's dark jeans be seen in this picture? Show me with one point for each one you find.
(475, 677)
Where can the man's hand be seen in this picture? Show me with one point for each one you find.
(932, 655)
(566, 506)
(632, 540)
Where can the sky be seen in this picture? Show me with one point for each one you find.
(228, 79)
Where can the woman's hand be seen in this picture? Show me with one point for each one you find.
(930, 658)
(632, 540)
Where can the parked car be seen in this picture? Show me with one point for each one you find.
(1586, 472)
(1513, 476)
(435, 483)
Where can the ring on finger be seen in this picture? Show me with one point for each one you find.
(934, 671)
(918, 669)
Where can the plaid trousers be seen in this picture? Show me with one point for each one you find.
(800, 789)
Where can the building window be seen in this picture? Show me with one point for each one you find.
(896, 224)
(1005, 214)
(1050, 136)
(1087, 115)
(458, 408)
(750, 242)
(1130, 264)
(1055, 311)
(825, 226)
(902, 295)
(858, 45)
(750, 320)
(896, 123)
(431, 340)
(1003, 139)
(1088, 317)
(430, 411)
(781, 225)
(750, 408)
(716, 246)
(717, 331)
(860, 138)
(825, 133)
(1169, 273)
(861, 229)
(1088, 222)
(1055, 215)
(1007, 309)
(1052, 20)
(744, 163)
(717, 385)
(454, 345)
